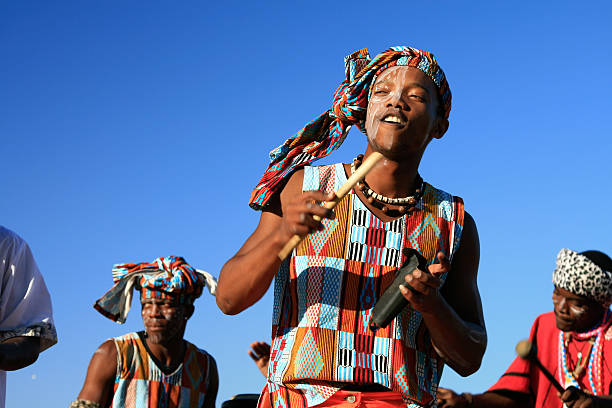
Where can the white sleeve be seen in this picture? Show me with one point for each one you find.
(25, 304)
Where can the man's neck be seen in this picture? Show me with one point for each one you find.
(393, 178)
(169, 354)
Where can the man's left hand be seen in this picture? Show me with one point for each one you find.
(425, 295)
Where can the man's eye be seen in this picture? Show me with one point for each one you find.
(381, 92)
(418, 97)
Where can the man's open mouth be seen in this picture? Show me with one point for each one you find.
(393, 118)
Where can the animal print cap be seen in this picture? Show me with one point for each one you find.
(578, 274)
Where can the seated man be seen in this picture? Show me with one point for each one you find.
(26, 318)
(574, 342)
(154, 367)
(324, 351)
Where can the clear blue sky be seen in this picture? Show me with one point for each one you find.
(135, 130)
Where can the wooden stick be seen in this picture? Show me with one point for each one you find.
(359, 174)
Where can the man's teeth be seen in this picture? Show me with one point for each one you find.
(392, 119)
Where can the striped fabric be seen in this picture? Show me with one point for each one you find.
(327, 132)
(140, 383)
(324, 295)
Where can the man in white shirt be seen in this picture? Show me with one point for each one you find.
(26, 317)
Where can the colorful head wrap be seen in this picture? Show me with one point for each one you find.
(327, 132)
(578, 274)
(169, 277)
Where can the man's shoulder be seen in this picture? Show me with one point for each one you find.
(440, 194)
(106, 352)
(548, 317)
(323, 166)
(10, 240)
(545, 322)
(128, 337)
(197, 350)
(326, 177)
(5, 232)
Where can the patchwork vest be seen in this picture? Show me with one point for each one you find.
(140, 383)
(324, 295)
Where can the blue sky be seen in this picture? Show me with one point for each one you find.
(135, 130)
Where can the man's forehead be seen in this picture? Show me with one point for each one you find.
(571, 296)
(158, 301)
(408, 76)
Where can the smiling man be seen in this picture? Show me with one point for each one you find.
(574, 342)
(154, 367)
(323, 349)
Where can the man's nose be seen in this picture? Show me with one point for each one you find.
(154, 310)
(395, 101)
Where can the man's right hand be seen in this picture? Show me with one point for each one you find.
(450, 399)
(246, 277)
(301, 212)
(574, 397)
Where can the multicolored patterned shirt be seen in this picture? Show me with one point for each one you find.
(141, 383)
(324, 295)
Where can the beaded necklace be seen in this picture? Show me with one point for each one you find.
(595, 359)
(405, 204)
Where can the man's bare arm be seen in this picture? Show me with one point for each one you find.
(18, 352)
(453, 315)
(246, 277)
(101, 374)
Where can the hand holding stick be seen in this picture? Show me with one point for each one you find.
(528, 351)
(359, 174)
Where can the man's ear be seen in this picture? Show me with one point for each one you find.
(439, 128)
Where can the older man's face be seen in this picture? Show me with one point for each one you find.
(574, 312)
(163, 319)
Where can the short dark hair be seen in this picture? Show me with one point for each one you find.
(599, 258)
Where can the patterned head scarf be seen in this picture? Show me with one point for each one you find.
(327, 132)
(578, 274)
(169, 277)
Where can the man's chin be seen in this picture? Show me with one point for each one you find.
(156, 338)
(564, 325)
(161, 338)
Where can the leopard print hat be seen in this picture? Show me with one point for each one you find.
(578, 274)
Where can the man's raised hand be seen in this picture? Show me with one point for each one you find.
(425, 284)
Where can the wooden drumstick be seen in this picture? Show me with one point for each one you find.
(357, 176)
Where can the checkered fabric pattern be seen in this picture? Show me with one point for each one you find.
(324, 295)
